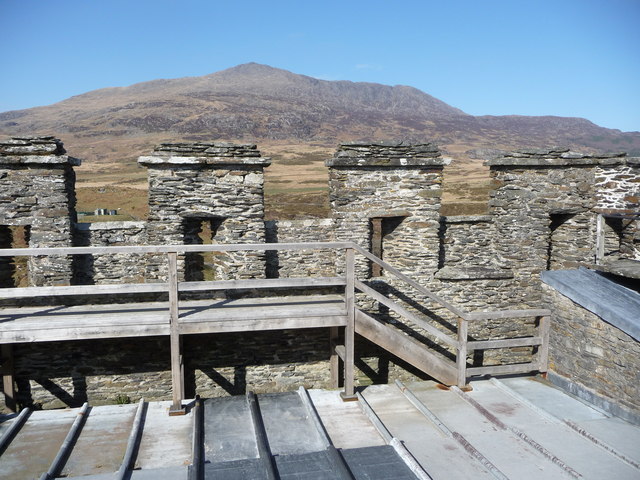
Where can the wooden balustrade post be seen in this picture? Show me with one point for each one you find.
(8, 383)
(177, 369)
(461, 357)
(334, 359)
(349, 332)
(544, 325)
(600, 239)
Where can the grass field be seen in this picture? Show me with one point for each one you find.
(296, 185)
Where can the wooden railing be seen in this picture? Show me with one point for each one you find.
(462, 344)
(356, 320)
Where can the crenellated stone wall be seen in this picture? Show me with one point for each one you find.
(384, 195)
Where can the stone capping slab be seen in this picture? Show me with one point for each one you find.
(39, 160)
(387, 162)
(44, 145)
(473, 273)
(613, 303)
(86, 226)
(558, 157)
(171, 159)
(467, 219)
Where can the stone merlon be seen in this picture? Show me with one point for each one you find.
(387, 154)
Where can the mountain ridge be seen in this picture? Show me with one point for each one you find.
(263, 103)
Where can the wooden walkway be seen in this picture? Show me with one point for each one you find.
(178, 316)
(84, 322)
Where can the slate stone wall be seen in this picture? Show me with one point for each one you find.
(541, 208)
(592, 353)
(113, 268)
(37, 190)
(301, 263)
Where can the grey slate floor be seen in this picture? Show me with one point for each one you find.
(517, 428)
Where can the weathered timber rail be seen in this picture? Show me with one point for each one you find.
(177, 317)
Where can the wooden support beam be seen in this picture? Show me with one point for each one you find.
(376, 245)
(8, 380)
(600, 238)
(544, 325)
(349, 331)
(504, 343)
(334, 359)
(461, 357)
(177, 369)
(387, 302)
(406, 348)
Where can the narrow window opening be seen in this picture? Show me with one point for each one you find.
(381, 229)
(557, 239)
(14, 271)
(199, 266)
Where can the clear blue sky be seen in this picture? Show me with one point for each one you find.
(487, 57)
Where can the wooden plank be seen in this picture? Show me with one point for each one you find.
(461, 355)
(28, 292)
(309, 282)
(214, 326)
(544, 325)
(231, 247)
(176, 356)
(340, 351)
(349, 331)
(388, 268)
(600, 238)
(534, 312)
(406, 348)
(376, 245)
(406, 313)
(258, 325)
(87, 333)
(8, 381)
(504, 343)
(306, 282)
(503, 369)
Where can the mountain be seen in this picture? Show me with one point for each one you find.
(253, 102)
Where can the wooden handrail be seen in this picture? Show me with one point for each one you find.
(410, 281)
(230, 247)
(127, 288)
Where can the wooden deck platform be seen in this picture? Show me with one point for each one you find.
(53, 323)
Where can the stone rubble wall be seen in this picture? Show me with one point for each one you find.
(591, 352)
(113, 268)
(301, 263)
